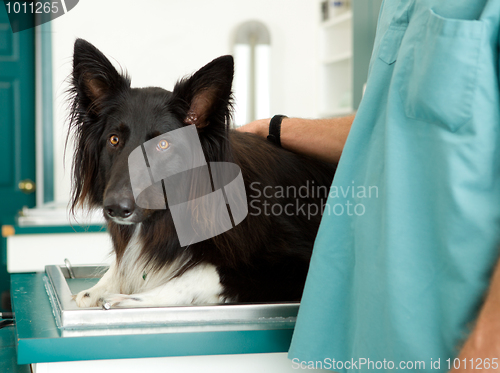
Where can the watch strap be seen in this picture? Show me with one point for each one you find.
(275, 129)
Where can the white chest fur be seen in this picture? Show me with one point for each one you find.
(198, 285)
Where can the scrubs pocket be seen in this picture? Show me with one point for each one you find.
(389, 47)
(439, 74)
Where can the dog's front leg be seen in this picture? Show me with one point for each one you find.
(199, 285)
(94, 296)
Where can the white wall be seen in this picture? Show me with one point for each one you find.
(158, 41)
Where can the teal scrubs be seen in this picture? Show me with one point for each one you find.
(411, 233)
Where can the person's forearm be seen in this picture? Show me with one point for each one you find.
(484, 340)
(320, 138)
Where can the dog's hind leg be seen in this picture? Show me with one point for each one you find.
(199, 285)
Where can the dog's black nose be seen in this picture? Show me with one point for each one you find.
(122, 209)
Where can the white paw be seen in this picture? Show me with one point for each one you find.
(90, 298)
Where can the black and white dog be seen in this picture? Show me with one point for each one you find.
(264, 258)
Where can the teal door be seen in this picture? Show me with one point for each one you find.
(17, 116)
(17, 124)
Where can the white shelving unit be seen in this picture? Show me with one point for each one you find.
(336, 65)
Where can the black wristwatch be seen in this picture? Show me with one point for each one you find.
(275, 129)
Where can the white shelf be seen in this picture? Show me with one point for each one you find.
(336, 65)
(341, 18)
(338, 58)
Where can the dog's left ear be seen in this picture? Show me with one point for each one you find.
(205, 97)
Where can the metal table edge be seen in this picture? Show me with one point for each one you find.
(39, 340)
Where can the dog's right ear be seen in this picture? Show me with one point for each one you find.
(95, 82)
(94, 77)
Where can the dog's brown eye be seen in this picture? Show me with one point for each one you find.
(114, 140)
(162, 145)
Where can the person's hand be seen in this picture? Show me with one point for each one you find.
(479, 352)
(482, 348)
(259, 127)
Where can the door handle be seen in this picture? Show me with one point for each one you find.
(27, 186)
